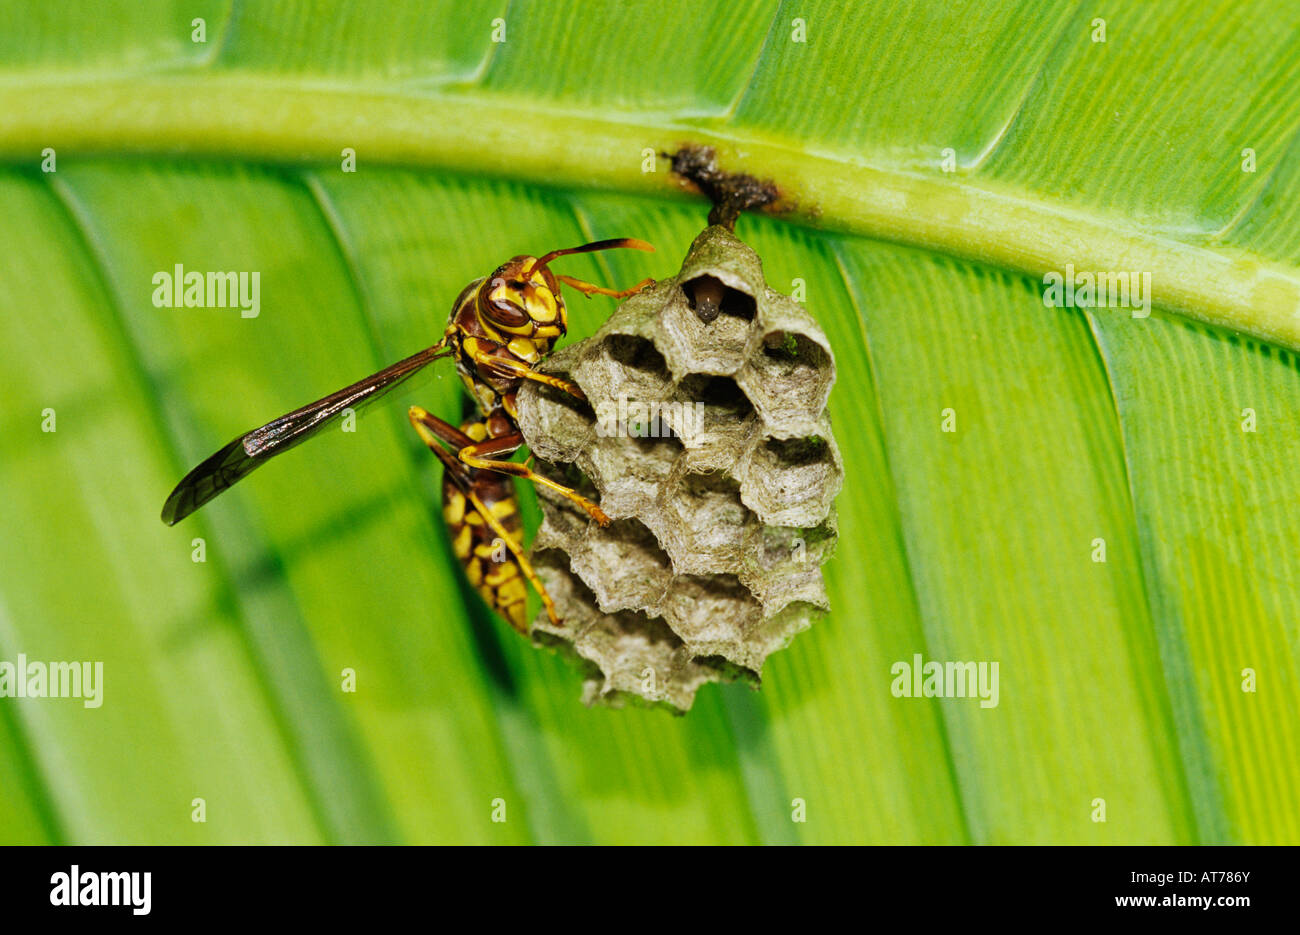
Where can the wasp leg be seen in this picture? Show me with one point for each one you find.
(470, 452)
(432, 430)
(513, 368)
(473, 456)
(423, 422)
(590, 289)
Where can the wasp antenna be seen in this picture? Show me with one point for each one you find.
(629, 243)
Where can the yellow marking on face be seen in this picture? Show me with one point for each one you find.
(461, 545)
(540, 304)
(525, 329)
(473, 519)
(525, 349)
(474, 572)
(484, 550)
(470, 346)
(502, 292)
(543, 309)
(453, 511)
(502, 508)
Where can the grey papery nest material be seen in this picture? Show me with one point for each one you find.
(722, 513)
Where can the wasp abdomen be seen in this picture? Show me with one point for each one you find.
(490, 563)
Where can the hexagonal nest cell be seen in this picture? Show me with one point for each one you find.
(706, 441)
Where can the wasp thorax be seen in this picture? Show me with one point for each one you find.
(706, 441)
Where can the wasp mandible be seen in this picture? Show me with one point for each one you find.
(501, 327)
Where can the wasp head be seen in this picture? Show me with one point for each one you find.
(521, 299)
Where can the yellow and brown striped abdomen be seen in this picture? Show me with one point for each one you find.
(490, 565)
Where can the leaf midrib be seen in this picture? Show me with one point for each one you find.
(297, 122)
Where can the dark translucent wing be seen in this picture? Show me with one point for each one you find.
(238, 459)
(214, 475)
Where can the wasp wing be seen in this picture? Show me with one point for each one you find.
(242, 456)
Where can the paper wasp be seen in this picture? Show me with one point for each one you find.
(501, 326)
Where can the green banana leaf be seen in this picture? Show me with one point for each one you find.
(936, 158)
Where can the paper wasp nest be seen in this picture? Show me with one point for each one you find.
(707, 443)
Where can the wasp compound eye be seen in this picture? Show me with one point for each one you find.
(499, 305)
(507, 314)
(709, 447)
